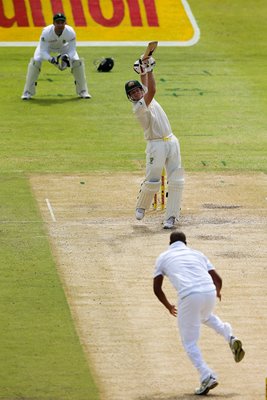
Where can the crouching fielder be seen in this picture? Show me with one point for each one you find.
(59, 39)
(162, 148)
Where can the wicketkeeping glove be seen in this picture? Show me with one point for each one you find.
(139, 67)
(63, 61)
(53, 60)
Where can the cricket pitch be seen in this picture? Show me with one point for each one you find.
(105, 259)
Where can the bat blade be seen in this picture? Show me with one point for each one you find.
(151, 47)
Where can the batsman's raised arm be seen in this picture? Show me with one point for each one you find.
(149, 81)
(145, 69)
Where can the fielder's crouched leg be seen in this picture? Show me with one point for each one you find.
(34, 69)
(145, 197)
(78, 71)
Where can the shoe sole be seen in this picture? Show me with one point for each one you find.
(237, 350)
(168, 226)
(211, 387)
(206, 391)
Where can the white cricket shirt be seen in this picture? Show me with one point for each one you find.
(187, 269)
(50, 42)
(153, 119)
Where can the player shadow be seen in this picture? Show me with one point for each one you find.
(141, 230)
(46, 102)
(188, 396)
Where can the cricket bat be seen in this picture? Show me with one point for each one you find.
(151, 47)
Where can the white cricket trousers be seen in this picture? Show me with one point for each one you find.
(194, 310)
(159, 154)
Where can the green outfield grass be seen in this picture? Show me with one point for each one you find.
(215, 94)
(41, 357)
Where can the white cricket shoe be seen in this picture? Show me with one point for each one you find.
(206, 385)
(236, 347)
(26, 95)
(139, 213)
(85, 95)
(169, 223)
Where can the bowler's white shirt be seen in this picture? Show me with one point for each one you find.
(187, 269)
(50, 42)
(153, 119)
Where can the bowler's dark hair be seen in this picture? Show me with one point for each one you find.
(177, 237)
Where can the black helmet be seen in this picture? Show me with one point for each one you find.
(59, 17)
(105, 64)
(130, 85)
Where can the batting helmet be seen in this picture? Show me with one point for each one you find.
(104, 64)
(130, 85)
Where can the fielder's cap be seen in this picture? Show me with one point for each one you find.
(59, 17)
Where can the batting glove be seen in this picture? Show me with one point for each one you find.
(151, 64)
(139, 67)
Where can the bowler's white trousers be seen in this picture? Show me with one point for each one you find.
(194, 310)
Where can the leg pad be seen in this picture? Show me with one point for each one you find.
(146, 194)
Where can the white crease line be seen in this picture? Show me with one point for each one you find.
(50, 210)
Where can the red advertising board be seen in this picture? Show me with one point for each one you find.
(117, 22)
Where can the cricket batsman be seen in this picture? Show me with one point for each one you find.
(162, 149)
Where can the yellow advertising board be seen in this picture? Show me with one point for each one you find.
(101, 22)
